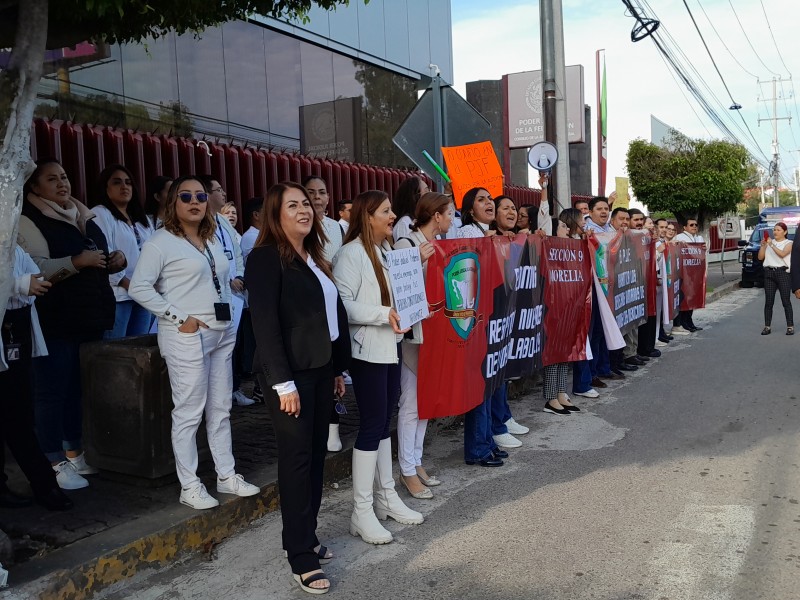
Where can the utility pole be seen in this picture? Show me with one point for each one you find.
(776, 157)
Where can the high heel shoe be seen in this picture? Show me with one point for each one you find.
(429, 481)
(424, 494)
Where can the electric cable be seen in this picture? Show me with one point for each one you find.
(710, 22)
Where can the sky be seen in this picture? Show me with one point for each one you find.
(492, 38)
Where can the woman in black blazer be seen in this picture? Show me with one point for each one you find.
(303, 345)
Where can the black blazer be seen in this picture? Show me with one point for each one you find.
(287, 308)
(795, 262)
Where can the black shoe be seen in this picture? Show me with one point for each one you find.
(694, 327)
(664, 340)
(598, 383)
(670, 337)
(627, 367)
(556, 411)
(635, 361)
(613, 376)
(9, 499)
(617, 374)
(654, 354)
(642, 357)
(54, 499)
(572, 408)
(497, 453)
(486, 462)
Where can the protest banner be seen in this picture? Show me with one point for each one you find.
(651, 277)
(567, 272)
(626, 280)
(693, 275)
(461, 278)
(527, 339)
(598, 250)
(408, 285)
(672, 264)
(473, 165)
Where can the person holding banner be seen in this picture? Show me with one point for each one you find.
(505, 222)
(361, 273)
(433, 216)
(776, 256)
(524, 219)
(477, 214)
(300, 326)
(684, 322)
(404, 205)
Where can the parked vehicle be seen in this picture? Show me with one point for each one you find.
(752, 268)
(775, 214)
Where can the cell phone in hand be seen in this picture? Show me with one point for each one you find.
(766, 234)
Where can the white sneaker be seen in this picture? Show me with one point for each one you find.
(236, 485)
(506, 440)
(241, 400)
(67, 477)
(660, 344)
(678, 330)
(590, 393)
(347, 379)
(198, 498)
(515, 428)
(80, 466)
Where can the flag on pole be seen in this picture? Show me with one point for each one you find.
(602, 127)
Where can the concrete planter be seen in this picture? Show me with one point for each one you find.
(127, 401)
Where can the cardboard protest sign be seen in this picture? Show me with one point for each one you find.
(408, 285)
(473, 165)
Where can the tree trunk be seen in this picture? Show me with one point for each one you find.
(18, 85)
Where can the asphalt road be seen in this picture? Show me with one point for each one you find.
(679, 483)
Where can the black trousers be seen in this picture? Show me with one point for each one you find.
(647, 337)
(16, 407)
(778, 280)
(377, 390)
(302, 445)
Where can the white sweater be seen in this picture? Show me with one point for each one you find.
(173, 280)
(120, 236)
(372, 337)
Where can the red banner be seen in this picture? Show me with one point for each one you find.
(461, 278)
(693, 274)
(568, 299)
(672, 263)
(651, 277)
(626, 267)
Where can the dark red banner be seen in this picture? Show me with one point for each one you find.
(626, 267)
(567, 270)
(461, 278)
(672, 263)
(693, 274)
(651, 276)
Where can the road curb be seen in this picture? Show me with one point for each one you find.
(79, 571)
(723, 290)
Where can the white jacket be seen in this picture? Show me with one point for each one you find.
(372, 337)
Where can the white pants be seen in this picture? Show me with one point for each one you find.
(199, 366)
(410, 430)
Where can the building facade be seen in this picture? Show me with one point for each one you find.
(337, 86)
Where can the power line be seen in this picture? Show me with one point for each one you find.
(774, 43)
(723, 41)
(748, 40)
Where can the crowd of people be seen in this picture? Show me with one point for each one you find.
(300, 300)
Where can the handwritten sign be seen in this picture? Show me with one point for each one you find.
(408, 286)
(473, 165)
(623, 199)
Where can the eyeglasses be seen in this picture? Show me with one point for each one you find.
(691, 224)
(186, 197)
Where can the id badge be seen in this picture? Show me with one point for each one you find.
(222, 311)
(229, 254)
(13, 352)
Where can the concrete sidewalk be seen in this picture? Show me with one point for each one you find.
(117, 529)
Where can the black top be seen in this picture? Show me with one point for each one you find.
(81, 306)
(287, 307)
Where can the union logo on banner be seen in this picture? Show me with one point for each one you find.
(462, 281)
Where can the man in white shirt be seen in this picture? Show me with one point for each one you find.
(344, 214)
(252, 214)
(684, 322)
(226, 235)
(597, 220)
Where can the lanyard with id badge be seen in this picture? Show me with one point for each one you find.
(222, 310)
(221, 235)
(13, 350)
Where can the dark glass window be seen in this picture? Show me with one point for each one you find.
(284, 87)
(246, 80)
(201, 80)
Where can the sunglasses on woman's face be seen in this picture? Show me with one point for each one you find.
(186, 197)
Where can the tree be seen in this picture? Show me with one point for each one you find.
(690, 178)
(28, 27)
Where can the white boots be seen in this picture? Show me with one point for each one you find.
(377, 467)
(334, 442)
(387, 502)
(364, 522)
